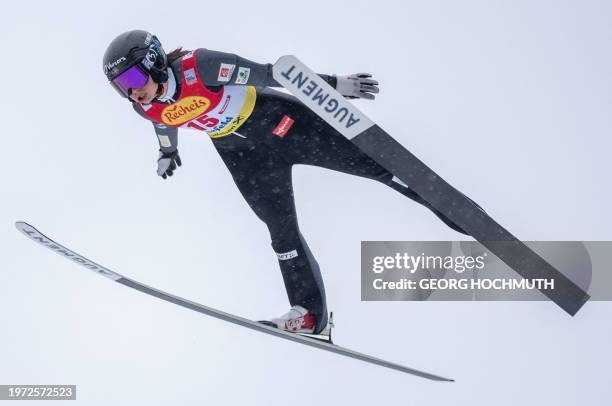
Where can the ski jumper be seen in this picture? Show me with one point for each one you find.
(260, 134)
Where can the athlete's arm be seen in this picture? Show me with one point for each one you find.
(167, 137)
(211, 64)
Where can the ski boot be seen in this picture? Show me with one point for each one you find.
(300, 321)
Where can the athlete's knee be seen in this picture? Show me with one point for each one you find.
(283, 228)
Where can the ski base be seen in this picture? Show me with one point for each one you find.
(38, 237)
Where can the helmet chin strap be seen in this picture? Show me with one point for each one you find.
(169, 83)
(160, 89)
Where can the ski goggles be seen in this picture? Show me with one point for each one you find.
(133, 78)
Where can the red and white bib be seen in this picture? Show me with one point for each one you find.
(218, 114)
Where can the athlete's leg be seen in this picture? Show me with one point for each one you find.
(311, 141)
(264, 179)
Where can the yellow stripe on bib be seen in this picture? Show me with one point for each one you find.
(245, 113)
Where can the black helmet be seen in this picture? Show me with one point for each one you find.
(135, 48)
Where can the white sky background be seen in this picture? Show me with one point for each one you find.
(509, 101)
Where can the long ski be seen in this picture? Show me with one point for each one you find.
(38, 237)
(325, 101)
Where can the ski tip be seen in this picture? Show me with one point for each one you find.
(21, 225)
(286, 59)
(26, 228)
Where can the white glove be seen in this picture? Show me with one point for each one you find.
(167, 163)
(357, 86)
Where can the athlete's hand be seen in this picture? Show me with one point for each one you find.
(357, 86)
(167, 163)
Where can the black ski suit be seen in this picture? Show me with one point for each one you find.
(260, 163)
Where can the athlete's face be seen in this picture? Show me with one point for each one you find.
(146, 93)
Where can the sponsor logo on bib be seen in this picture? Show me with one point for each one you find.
(185, 110)
(190, 76)
(243, 75)
(225, 72)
